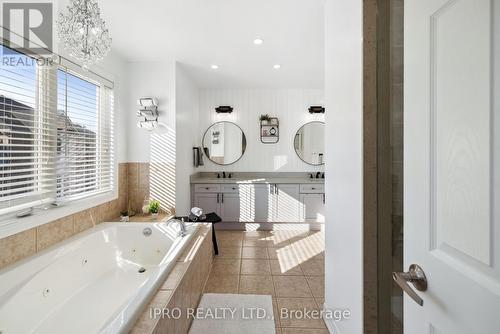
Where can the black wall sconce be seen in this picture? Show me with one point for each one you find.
(316, 110)
(224, 110)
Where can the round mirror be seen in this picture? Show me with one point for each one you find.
(224, 143)
(309, 143)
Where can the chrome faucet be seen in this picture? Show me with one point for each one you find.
(182, 225)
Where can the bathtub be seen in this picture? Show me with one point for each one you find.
(98, 281)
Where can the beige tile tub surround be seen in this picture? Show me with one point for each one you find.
(139, 186)
(17, 247)
(54, 232)
(182, 289)
(26, 243)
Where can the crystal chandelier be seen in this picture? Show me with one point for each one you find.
(83, 32)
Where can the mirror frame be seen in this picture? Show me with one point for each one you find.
(295, 149)
(244, 143)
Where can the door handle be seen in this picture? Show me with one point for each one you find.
(222, 195)
(217, 197)
(416, 276)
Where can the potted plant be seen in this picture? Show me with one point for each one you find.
(154, 208)
(124, 216)
(264, 119)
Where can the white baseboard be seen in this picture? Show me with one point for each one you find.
(331, 325)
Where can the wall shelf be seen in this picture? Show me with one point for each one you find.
(269, 131)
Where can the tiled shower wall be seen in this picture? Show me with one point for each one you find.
(370, 168)
(138, 184)
(397, 52)
(383, 163)
(147, 181)
(397, 150)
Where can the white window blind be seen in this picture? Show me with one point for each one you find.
(56, 136)
(106, 162)
(27, 136)
(84, 137)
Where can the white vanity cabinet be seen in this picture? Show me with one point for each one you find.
(230, 207)
(262, 203)
(287, 208)
(313, 208)
(207, 197)
(312, 199)
(209, 202)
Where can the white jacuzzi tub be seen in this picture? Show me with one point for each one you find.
(90, 283)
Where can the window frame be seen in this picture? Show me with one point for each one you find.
(101, 103)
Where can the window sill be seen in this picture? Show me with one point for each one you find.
(11, 225)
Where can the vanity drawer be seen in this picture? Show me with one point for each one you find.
(207, 188)
(230, 188)
(312, 188)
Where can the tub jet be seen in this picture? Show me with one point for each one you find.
(141, 270)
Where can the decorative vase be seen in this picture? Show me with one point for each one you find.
(155, 215)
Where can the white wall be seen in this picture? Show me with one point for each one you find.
(158, 147)
(289, 105)
(115, 69)
(187, 136)
(149, 79)
(344, 161)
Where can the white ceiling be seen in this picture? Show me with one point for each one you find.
(199, 33)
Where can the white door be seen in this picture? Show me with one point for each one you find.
(230, 207)
(312, 208)
(452, 164)
(209, 202)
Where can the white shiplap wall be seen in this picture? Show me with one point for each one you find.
(289, 105)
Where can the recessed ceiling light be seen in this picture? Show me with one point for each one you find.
(214, 67)
(277, 66)
(258, 41)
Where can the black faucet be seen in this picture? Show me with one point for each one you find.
(311, 176)
(323, 175)
(223, 175)
(318, 174)
(229, 176)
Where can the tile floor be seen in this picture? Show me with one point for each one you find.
(288, 265)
